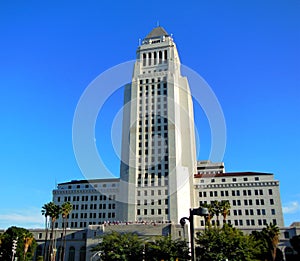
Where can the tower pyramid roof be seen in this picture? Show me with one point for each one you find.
(156, 32)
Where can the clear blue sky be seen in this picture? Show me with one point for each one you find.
(248, 52)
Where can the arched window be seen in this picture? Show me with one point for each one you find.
(39, 251)
(149, 57)
(166, 55)
(144, 59)
(155, 57)
(160, 57)
(82, 253)
(71, 256)
(59, 253)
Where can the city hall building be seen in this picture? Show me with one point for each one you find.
(160, 177)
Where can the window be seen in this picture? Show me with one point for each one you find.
(270, 192)
(273, 211)
(271, 201)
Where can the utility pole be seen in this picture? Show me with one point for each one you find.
(14, 248)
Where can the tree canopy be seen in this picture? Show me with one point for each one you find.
(117, 246)
(129, 246)
(225, 243)
(164, 248)
(25, 246)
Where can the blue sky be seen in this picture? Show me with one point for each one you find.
(247, 51)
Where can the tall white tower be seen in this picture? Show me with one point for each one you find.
(158, 139)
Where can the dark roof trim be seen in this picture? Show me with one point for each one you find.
(231, 174)
(85, 181)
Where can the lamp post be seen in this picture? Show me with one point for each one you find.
(193, 212)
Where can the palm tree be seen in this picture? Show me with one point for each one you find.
(45, 212)
(66, 209)
(28, 239)
(217, 209)
(211, 212)
(54, 211)
(271, 233)
(225, 207)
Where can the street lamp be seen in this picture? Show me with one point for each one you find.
(98, 254)
(203, 212)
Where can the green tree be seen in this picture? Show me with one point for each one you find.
(66, 209)
(28, 241)
(45, 212)
(268, 240)
(117, 246)
(225, 208)
(295, 242)
(53, 212)
(211, 212)
(22, 244)
(164, 248)
(224, 243)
